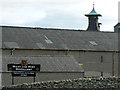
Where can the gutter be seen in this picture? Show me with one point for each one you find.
(54, 49)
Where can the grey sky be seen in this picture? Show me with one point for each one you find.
(57, 13)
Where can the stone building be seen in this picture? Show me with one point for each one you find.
(94, 52)
(52, 68)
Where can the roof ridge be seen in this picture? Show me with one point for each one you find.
(56, 29)
(44, 28)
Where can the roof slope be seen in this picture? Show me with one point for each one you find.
(43, 38)
(48, 63)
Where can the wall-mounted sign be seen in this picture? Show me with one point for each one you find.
(24, 62)
(24, 74)
(19, 67)
(23, 70)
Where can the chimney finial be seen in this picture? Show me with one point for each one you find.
(93, 4)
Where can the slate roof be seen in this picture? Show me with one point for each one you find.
(46, 38)
(48, 63)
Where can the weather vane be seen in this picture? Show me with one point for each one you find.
(93, 4)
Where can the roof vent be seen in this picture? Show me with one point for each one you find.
(93, 20)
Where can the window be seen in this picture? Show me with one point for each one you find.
(101, 59)
(102, 74)
(93, 43)
(48, 41)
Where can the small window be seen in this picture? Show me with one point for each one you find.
(48, 41)
(102, 74)
(101, 59)
(93, 43)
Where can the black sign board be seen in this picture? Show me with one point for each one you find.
(24, 74)
(19, 67)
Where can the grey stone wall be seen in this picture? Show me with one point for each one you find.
(96, 83)
(40, 76)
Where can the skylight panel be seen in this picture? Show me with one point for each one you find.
(40, 45)
(11, 44)
(48, 41)
(93, 43)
